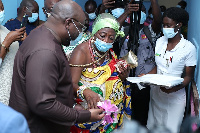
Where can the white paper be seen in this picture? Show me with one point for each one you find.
(157, 79)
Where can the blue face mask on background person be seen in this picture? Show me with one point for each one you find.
(75, 42)
(178, 6)
(2, 17)
(92, 16)
(102, 46)
(169, 32)
(117, 12)
(33, 18)
(143, 17)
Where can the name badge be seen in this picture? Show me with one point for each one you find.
(157, 54)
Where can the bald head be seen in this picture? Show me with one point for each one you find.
(68, 9)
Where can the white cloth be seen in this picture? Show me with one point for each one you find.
(6, 68)
(168, 109)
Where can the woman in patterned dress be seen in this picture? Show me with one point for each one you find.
(95, 77)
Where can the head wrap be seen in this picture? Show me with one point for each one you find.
(106, 20)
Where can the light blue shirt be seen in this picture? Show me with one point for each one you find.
(12, 121)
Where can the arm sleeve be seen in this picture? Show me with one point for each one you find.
(42, 77)
(191, 59)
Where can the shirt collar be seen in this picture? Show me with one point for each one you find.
(181, 43)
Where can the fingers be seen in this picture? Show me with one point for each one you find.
(23, 37)
(92, 103)
(102, 115)
(141, 75)
(133, 7)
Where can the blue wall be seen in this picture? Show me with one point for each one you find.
(10, 9)
(193, 32)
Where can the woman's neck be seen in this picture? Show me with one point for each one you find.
(172, 42)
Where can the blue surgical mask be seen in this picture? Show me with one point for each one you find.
(2, 16)
(92, 16)
(169, 32)
(178, 6)
(117, 12)
(75, 42)
(151, 16)
(143, 17)
(102, 46)
(33, 18)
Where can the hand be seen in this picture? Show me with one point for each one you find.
(167, 90)
(108, 4)
(132, 7)
(96, 115)
(92, 98)
(24, 36)
(79, 107)
(141, 75)
(13, 36)
(124, 72)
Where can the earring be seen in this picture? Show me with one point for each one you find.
(92, 39)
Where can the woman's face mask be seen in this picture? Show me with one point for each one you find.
(2, 17)
(169, 32)
(33, 18)
(102, 46)
(117, 12)
(143, 17)
(92, 16)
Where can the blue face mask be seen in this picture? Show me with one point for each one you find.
(33, 18)
(151, 16)
(117, 12)
(75, 42)
(102, 46)
(92, 16)
(2, 16)
(178, 6)
(143, 17)
(169, 32)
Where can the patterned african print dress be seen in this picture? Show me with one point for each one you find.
(105, 81)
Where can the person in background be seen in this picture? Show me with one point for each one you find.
(12, 121)
(8, 50)
(145, 54)
(91, 8)
(149, 18)
(48, 6)
(173, 54)
(163, 9)
(42, 88)
(182, 4)
(27, 7)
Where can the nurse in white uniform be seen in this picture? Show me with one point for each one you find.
(173, 53)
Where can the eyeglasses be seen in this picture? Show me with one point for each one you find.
(83, 26)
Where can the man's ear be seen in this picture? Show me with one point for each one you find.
(24, 9)
(68, 22)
